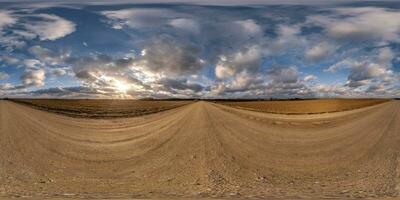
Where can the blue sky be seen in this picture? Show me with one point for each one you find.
(209, 49)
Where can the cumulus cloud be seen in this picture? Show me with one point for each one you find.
(237, 72)
(167, 55)
(324, 90)
(285, 83)
(363, 73)
(369, 75)
(361, 24)
(33, 78)
(248, 59)
(310, 78)
(320, 51)
(242, 83)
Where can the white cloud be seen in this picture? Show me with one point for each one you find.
(368, 71)
(50, 27)
(249, 59)
(32, 64)
(222, 70)
(33, 78)
(242, 83)
(237, 72)
(346, 63)
(362, 73)
(139, 17)
(250, 27)
(320, 51)
(324, 90)
(284, 83)
(11, 42)
(59, 72)
(310, 78)
(14, 35)
(6, 19)
(185, 24)
(361, 24)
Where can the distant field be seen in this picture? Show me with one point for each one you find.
(305, 106)
(104, 108)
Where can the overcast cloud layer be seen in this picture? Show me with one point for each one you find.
(230, 50)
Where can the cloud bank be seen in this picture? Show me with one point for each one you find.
(99, 50)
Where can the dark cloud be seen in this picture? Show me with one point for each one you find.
(363, 73)
(286, 83)
(169, 55)
(284, 75)
(181, 84)
(67, 92)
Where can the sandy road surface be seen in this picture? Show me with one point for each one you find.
(201, 150)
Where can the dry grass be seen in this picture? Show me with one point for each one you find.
(305, 106)
(101, 108)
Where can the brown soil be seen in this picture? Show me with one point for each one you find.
(103, 108)
(305, 106)
(201, 150)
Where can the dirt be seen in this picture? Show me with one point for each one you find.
(315, 106)
(101, 108)
(201, 150)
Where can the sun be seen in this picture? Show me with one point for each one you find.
(121, 87)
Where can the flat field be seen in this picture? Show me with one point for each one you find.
(304, 106)
(200, 150)
(102, 108)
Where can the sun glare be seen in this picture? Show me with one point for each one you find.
(121, 86)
